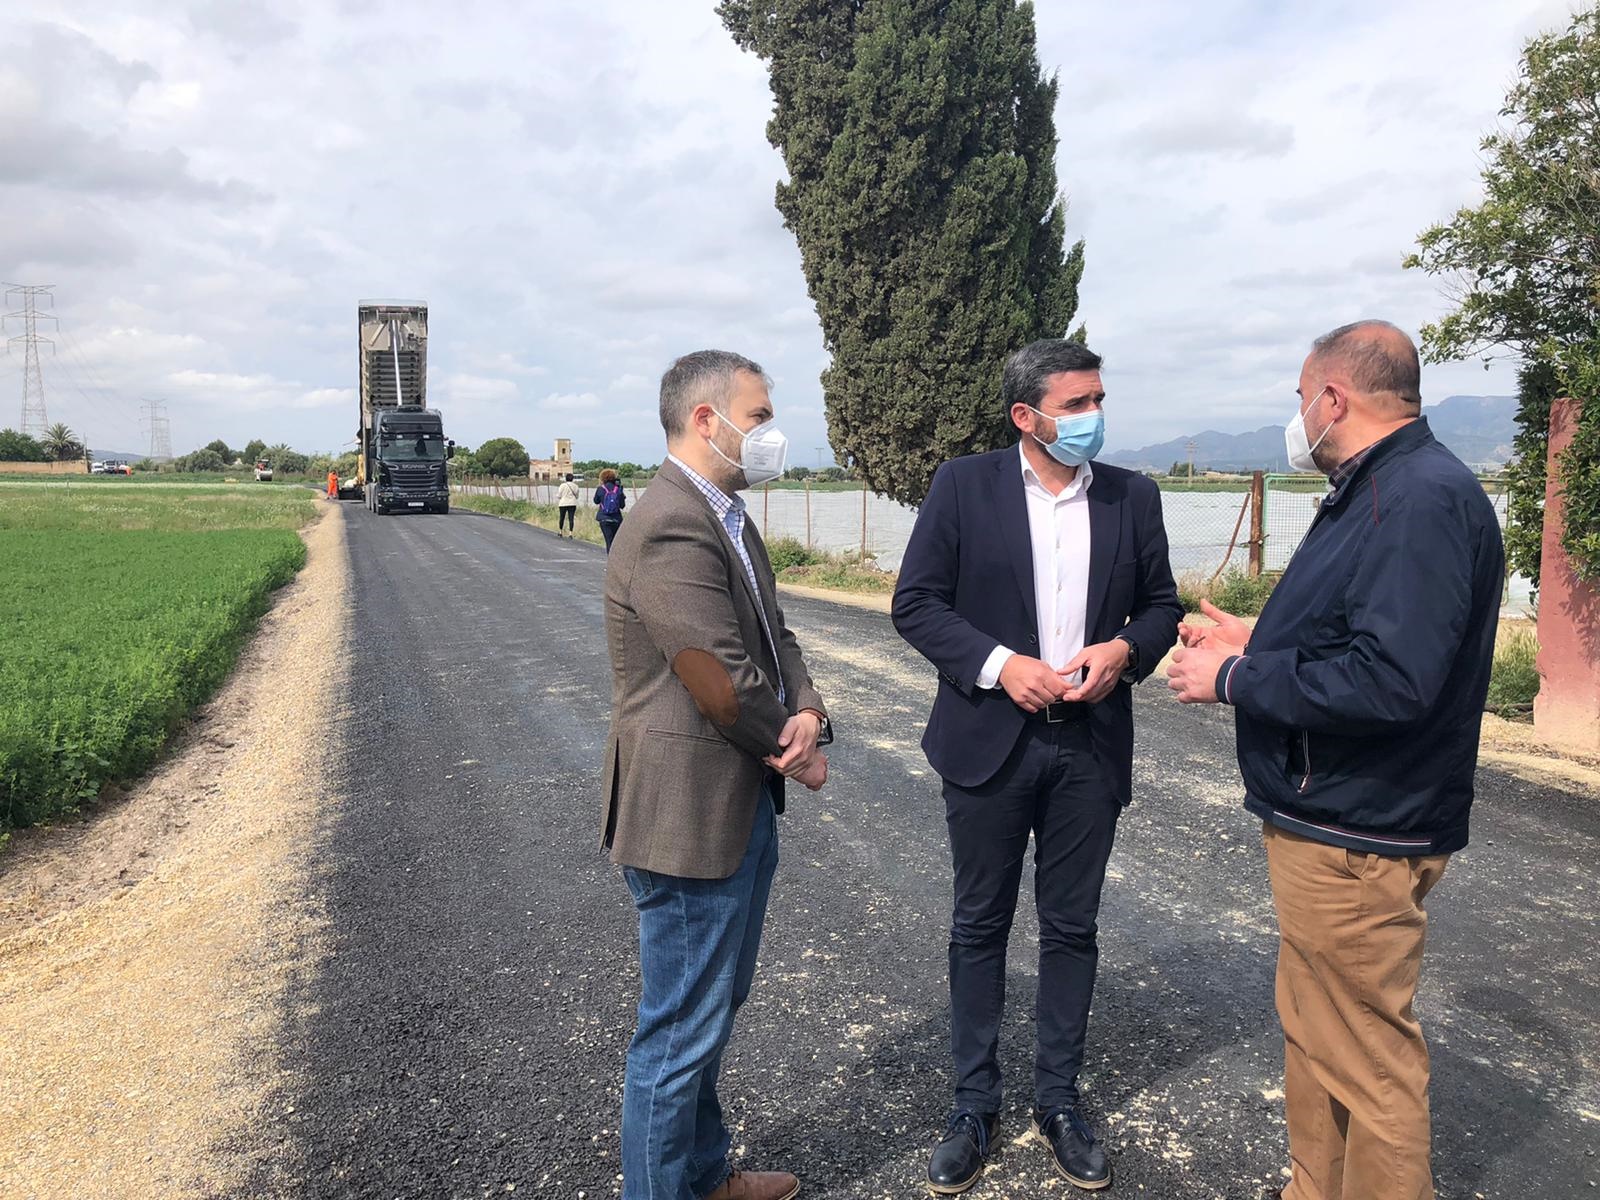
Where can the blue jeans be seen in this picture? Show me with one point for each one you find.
(698, 940)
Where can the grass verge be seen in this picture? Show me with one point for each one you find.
(1514, 678)
(121, 615)
(543, 516)
(793, 562)
(1234, 591)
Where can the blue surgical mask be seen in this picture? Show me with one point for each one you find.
(1078, 439)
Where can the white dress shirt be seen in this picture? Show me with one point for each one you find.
(1058, 526)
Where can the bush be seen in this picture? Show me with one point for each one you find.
(1240, 594)
(204, 459)
(786, 552)
(1514, 678)
(1234, 591)
(498, 506)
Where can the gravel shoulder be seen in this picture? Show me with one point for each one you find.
(144, 948)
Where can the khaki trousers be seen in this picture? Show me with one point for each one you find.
(1351, 929)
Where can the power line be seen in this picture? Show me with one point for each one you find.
(89, 384)
(34, 421)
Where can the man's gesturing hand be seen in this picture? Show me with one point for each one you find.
(1229, 633)
(1193, 675)
(1030, 683)
(799, 742)
(1104, 664)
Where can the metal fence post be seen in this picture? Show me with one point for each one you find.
(808, 512)
(766, 505)
(1258, 525)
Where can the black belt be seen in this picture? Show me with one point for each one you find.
(1062, 712)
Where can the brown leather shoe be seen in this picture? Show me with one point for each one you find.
(756, 1185)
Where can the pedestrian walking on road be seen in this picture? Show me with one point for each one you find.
(1037, 582)
(1358, 697)
(567, 507)
(609, 501)
(712, 709)
(333, 485)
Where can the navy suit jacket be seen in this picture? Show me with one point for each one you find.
(966, 586)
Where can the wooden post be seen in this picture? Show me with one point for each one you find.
(1258, 524)
(863, 522)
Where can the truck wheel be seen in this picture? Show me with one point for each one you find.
(444, 507)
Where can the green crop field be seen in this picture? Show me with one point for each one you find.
(120, 610)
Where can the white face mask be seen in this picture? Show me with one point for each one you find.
(763, 453)
(1302, 452)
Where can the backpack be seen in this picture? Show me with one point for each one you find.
(611, 503)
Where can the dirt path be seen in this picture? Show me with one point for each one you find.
(145, 951)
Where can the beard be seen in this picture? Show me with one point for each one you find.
(729, 478)
(1328, 456)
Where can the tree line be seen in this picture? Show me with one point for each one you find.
(59, 444)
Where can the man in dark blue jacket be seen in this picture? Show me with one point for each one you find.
(1037, 582)
(1358, 698)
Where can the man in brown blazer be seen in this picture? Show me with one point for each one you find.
(712, 709)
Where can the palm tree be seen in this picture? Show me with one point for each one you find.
(60, 443)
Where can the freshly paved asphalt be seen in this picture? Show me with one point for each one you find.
(466, 1036)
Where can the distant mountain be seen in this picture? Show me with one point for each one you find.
(1478, 429)
(127, 456)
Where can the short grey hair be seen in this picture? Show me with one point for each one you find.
(1027, 373)
(704, 377)
(1379, 358)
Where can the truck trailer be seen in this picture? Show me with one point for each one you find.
(403, 450)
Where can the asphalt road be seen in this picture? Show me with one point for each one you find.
(466, 1036)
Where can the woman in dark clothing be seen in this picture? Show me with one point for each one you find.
(609, 501)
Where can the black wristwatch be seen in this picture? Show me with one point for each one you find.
(1133, 653)
(824, 730)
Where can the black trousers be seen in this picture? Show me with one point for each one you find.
(609, 528)
(567, 517)
(1053, 787)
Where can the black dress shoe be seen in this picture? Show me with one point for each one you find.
(958, 1158)
(1078, 1156)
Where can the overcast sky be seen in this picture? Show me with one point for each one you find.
(583, 190)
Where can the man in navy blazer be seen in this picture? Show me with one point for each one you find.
(1037, 582)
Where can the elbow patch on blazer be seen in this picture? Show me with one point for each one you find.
(709, 683)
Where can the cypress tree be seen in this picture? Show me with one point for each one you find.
(919, 138)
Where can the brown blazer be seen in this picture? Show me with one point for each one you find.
(694, 702)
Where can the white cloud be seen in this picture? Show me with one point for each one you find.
(1226, 134)
(583, 191)
(477, 389)
(570, 402)
(220, 381)
(343, 398)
